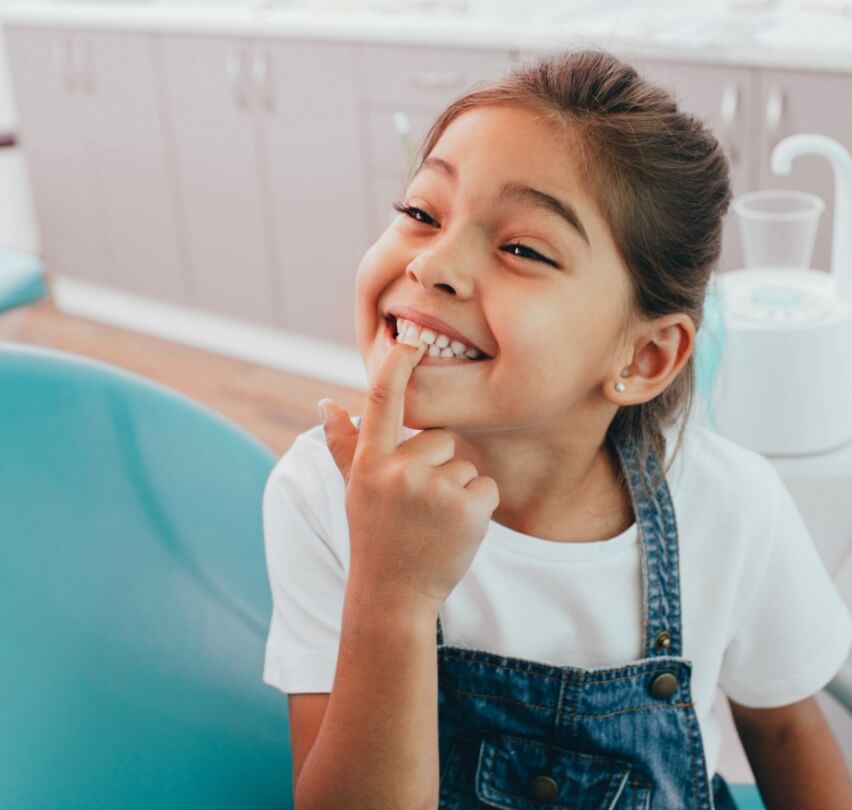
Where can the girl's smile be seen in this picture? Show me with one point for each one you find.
(392, 335)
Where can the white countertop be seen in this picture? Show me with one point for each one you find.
(788, 37)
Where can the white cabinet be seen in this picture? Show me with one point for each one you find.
(271, 179)
(312, 156)
(211, 111)
(53, 135)
(92, 134)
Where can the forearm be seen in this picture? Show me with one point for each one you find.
(802, 769)
(377, 747)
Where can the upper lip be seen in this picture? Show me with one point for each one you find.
(431, 322)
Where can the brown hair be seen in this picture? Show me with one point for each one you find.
(660, 179)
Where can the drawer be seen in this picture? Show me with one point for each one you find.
(424, 76)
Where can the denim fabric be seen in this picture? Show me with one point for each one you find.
(601, 737)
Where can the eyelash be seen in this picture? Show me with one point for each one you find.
(410, 211)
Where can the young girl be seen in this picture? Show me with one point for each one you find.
(528, 324)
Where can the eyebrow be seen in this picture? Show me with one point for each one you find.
(518, 192)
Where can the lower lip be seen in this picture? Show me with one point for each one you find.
(427, 359)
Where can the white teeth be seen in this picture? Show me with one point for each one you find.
(439, 345)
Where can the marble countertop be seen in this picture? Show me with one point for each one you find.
(815, 36)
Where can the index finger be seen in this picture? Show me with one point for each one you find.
(381, 423)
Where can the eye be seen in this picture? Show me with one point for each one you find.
(530, 253)
(414, 213)
(419, 215)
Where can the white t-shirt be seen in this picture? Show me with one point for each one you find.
(761, 617)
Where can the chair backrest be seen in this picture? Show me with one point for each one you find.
(134, 599)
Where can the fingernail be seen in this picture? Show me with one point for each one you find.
(321, 407)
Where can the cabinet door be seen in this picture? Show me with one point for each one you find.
(315, 181)
(125, 129)
(214, 133)
(794, 102)
(45, 67)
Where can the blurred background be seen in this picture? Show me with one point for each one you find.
(198, 181)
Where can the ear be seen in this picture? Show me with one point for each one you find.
(659, 353)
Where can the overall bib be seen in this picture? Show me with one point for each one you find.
(524, 735)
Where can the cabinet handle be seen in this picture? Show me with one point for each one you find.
(88, 82)
(62, 59)
(774, 114)
(730, 105)
(435, 78)
(234, 71)
(403, 130)
(262, 71)
(78, 65)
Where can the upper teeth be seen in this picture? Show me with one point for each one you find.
(439, 345)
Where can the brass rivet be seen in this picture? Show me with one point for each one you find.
(664, 685)
(543, 789)
(663, 641)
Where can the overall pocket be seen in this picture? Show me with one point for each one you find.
(515, 773)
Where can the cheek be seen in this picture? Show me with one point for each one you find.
(530, 331)
(376, 271)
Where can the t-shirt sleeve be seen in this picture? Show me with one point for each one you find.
(306, 574)
(796, 631)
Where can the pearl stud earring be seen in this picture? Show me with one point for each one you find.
(619, 386)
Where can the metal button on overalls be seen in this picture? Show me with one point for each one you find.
(663, 641)
(664, 685)
(543, 789)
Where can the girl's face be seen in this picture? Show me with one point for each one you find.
(502, 242)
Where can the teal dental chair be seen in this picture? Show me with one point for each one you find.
(134, 599)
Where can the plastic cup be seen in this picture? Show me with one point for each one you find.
(778, 228)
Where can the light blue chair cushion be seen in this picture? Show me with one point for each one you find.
(134, 600)
(747, 797)
(710, 343)
(21, 279)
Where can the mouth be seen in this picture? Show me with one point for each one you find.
(431, 357)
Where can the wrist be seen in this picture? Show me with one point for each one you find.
(389, 603)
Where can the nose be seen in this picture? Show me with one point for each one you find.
(444, 269)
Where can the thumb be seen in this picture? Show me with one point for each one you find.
(341, 435)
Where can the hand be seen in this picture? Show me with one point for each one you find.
(416, 516)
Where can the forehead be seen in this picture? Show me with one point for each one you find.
(510, 142)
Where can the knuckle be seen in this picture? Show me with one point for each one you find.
(409, 475)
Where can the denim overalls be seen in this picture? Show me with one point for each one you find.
(525, 735)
